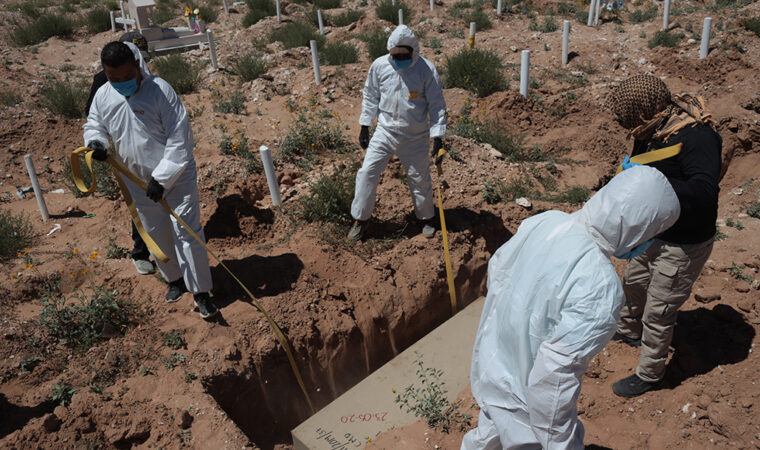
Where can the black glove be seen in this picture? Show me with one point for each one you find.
(99, 152)
(364, 137)
(437, 145)
(155, 191)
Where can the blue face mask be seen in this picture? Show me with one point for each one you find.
(635, 251)
(402, 64)
(125, 88)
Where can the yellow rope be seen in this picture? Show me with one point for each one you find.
(120, 169)
(444, 233)
(654, 155)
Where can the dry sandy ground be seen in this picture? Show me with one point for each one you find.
(347, 310)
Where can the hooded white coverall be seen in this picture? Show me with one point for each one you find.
(152, 137)
(553, 301)
(410, 109)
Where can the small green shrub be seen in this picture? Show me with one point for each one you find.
(250, 66)
(41, 29)
(730, 222)
(345, 18)
(164, 12)
(478, 71)
(65, 97)
(664, 39)
(549, 26)
(497, 135)
(173, 340)
(208, 14)
(16, 233)
(329, 199)
(233, 104)
(582, 16)
(377, 43)
(752, 25)
(62, 393)
(312, 131)
(482, 22)
(9, 98)
(429, 401)
(30, 10)
(180, 73)
(297, 34)
(238, 146)
(327, 4)
(338, 53)
(257, 10)
(643, 15)
(575, 196)
(79, 323)
(386, 10)
(754, 210)
(112, 5)
(114, 250)
(738, 272)
(98, 20)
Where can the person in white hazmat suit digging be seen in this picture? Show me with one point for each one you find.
(553, 302)
(403, 90)
(151, 133)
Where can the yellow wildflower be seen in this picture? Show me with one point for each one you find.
(94, 255)
(75, 251)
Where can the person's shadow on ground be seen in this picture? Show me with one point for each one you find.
(14, 417)
(704, 339)
(264, 276)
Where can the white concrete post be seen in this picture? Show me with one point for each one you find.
(565, 39)
(277, 5)
(113, 23)
(400, 16)
(666, 15)
(212, 49)
(472, 35)
(704, 49)
(274, 188)
(226, 7)
(524, 72)
(123, 14)
(499, 6)
(393, 2)
(432, 5)
(315, 62)
(36, 187)
(321, 23)
(597, 9)
(591, 9)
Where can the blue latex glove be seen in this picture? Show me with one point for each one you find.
(627, 164)
(638, 250)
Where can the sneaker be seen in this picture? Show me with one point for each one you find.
(143, 266)
(428, 230)
(626, 340)
(205, 306)
(176, 289)
(357, 231)
(632, 386)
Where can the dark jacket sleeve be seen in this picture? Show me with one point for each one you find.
(699, 162)
(97, 81)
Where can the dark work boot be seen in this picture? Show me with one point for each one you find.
(205, 306)
(625, 339)
(357, 231)
(632, 386)
(176, 289)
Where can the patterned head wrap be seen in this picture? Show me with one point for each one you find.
(638, 99)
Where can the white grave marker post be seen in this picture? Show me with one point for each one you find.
(321, 23)
(400, 16)
(274, 187)
(36, 186)
(524, 72)
(666, 15)
(212, 49)
(565, 40)
(704, 49)
(315, 62)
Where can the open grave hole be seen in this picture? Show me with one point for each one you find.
(340, 339)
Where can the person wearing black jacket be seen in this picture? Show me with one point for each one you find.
(140, 254)
(657, 282)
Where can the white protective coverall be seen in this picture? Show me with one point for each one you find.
(152, 137)
(553, 301)
(410, 109)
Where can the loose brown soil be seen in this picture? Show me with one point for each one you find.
(345, 309)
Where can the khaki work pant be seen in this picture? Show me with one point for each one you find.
(656, 284)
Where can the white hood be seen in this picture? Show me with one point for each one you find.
(635, 206)
(144, 71)
(403, 36)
